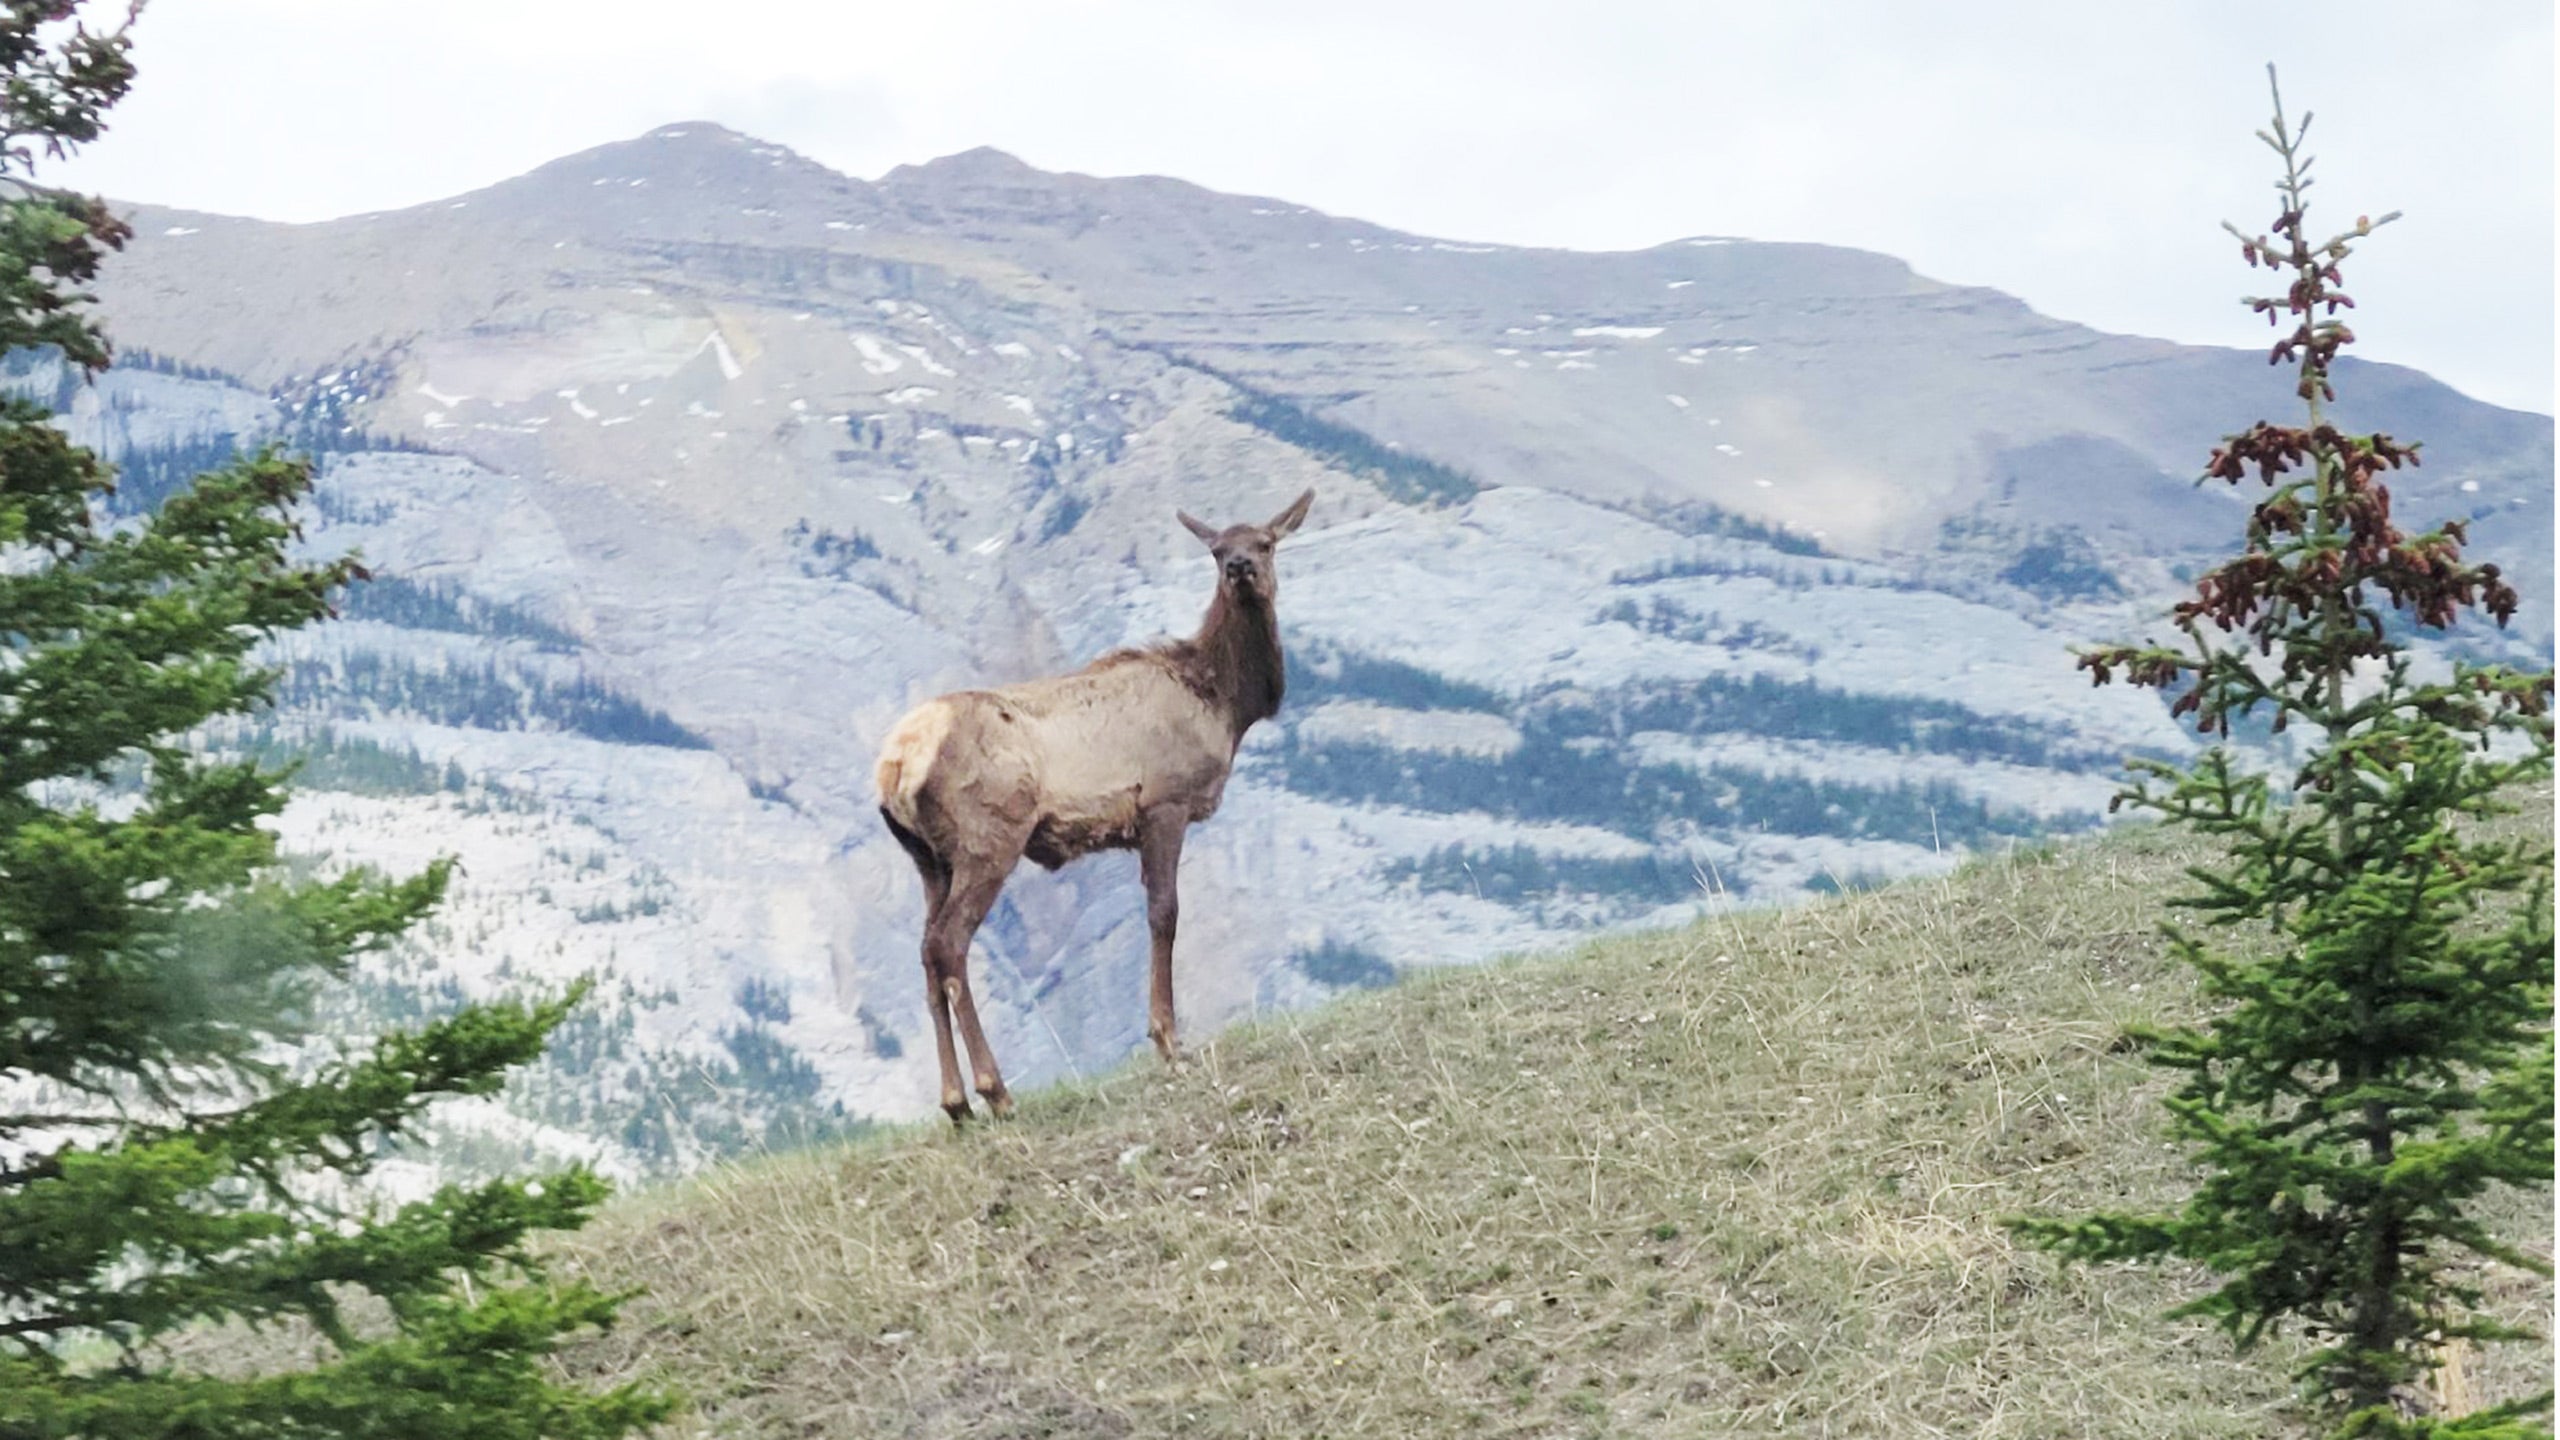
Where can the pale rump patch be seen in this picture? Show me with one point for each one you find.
(906, 757)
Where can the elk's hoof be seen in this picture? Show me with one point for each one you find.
(957, 1107)
(999, 1103)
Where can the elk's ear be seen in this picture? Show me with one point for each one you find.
(1207, 535)
(1287, 521)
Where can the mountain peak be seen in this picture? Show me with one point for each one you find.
(709, 142)
(673, 172)
(701, 131)
(982, 165)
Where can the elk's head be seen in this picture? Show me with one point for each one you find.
(1244, 552)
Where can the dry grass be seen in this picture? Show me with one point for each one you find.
(1740, 1179)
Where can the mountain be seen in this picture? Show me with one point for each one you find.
(1719, 572)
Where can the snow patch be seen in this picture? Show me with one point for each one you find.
(876, 358)
(925, 358)
(1450, 730)
(1618, 332)
(730, 369)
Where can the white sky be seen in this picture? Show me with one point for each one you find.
(2076, 154)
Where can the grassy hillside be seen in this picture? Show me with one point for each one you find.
(1739, 1179)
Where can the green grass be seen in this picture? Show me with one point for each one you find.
(1739, 1179)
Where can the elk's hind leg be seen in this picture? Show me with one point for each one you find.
(937, 998)
(974, 886)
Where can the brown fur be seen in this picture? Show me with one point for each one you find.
(1124, 754)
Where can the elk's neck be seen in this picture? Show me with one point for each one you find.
(1239, 649)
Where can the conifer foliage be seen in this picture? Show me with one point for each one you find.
(176, 1149)
(2384, 1057)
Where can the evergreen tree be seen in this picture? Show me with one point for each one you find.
(176, 1149)
(2386, 1057)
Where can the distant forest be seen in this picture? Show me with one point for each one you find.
(480, 697)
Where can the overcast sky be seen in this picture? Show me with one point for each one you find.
(2078, 155)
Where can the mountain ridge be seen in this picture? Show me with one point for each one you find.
(983, 163)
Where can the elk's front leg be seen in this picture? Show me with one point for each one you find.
(1159, 860)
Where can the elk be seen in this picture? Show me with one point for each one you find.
(1124, 754)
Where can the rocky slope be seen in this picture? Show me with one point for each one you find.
(1716, 572)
